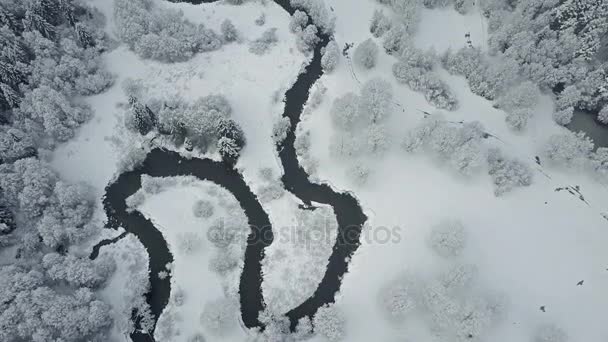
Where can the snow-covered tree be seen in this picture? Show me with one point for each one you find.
(307, 38)
(280, 129)
(203, 209)
(7, 220)
(507, 174)
(229, 32)
(318, 12)
(329, 321)
(448, 238)
(458, 277)
(366, 54)
(345, 111)
(77, 271)
(219, 316)
(414, 68)
(265, 42)
(408, 12)
(359, 173)
(15, 144)
(397, 297)
(52, 113)
(569, 149)
(376, 100)
(380, 24)
(395, 38)
(298, 21)
(228, 149)
(140, 118)
(463, 6)
(330, 57)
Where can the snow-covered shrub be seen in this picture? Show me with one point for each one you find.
(359, 173)
(263, 44)
(160, 33)
(376, 100)
(458, 277)
(463, 6)
(569, 149)
(330, 56)
(459, 146)
(395, 38)
(599, 163)
(199, 337)
(298, 21)
(507, 174)
(219, 316)
(448, 238)
(366, 54)
(189, 243)
(78, 271)
(229, 32)
(318, 12)
(307, 38)
(377, 139)
(15, 144)
(345, 110)
(224, 261)
(567, 100)
(519, 102)
(140, 118)
(280, 129)
(414, 68)
(408, 12)
(603, 115)
(51, 114)
(550, 333)
(380, 24)
(203, 209)
(261, 20)
(397, 298)
(329, 321)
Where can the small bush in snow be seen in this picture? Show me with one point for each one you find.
(448, 238)
(458, 277)
(366, 54)
(519, 102)
(550, 333)
(189, 243)
(223, 262)
(280, 129)
(229, 32)
(396, 298)
(263, 44)
(359, 173)
(331, 56)
(599, 162)
(330, 323)
(198, 337)
(463, 6)
(203, 209)
(298, 21)
(507, 174)
(261, 20)
(380, 24)
(569, 149)
(219, 316)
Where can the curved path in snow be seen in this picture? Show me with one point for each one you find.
(163, 163)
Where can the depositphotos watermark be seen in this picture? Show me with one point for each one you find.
(321, 233)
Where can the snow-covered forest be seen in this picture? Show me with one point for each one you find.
(450, 124)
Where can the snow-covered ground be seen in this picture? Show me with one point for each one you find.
(190, 240)
(534, 244)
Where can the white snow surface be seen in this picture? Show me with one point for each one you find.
(533, 244)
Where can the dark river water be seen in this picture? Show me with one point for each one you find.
(163, 163)
(587, 122)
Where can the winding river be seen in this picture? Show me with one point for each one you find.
(164, 163)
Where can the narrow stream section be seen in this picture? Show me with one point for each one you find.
(164, 163)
